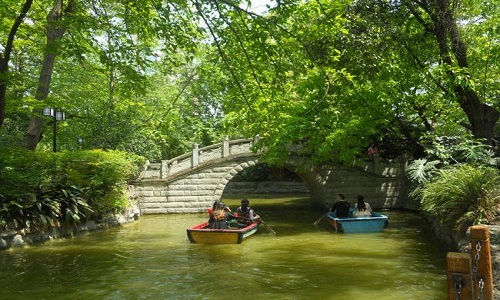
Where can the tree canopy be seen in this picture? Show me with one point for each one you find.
(333, 76)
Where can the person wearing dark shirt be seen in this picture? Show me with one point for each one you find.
(341, 207)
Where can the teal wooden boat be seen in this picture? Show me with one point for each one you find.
(376, 223)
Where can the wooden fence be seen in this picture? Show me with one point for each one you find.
(470, 275)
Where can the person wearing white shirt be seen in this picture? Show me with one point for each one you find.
(362, 208)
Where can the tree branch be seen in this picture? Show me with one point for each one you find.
(222, 53)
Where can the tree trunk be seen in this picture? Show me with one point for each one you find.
(55, 31)
(5, 57)
(443, 24)
(482, 117)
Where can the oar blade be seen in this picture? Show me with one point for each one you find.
(319, 220)
(268, 228)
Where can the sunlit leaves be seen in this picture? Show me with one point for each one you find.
(332, 75)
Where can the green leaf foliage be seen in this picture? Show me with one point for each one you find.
(44, 189)
(462, 196)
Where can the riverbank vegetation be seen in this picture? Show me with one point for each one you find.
(332, 76)
(458, 184)
(41, 190)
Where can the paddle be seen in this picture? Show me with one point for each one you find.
(268, 227)
(319, 220)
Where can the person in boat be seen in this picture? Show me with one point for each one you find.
(218, 203)
(219, 216)
(362, 208)
(211, 209)
(246, 215)
(341, 207)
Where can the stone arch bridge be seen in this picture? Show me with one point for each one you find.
(191, 182)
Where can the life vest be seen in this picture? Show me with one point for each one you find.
(244, 216)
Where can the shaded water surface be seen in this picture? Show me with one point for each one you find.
(153, 259)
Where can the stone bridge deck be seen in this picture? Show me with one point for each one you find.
(191, 182)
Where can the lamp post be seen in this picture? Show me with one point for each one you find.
(57, 115)
(79, 140)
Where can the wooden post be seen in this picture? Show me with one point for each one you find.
(458, 267)
(482, 274)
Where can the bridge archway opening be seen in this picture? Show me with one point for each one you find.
(264, 172)
(265, 182)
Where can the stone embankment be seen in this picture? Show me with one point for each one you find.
(19, 238)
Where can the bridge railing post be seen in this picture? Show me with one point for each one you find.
(195, 158)
(225, 147)
(255, 139)
(164, 169)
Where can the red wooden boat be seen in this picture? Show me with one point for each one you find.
(201, 234)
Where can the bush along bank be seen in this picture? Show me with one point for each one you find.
(46, 195)
(462, 192)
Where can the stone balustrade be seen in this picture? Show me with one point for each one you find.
(168, 169)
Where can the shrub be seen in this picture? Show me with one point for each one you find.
(461, 196)
(103, 176)
(40, 189)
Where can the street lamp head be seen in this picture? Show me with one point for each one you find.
(60, 115)
(48, 111)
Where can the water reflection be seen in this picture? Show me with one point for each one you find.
(153, 259)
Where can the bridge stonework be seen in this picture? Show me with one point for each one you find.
(192, 193)
(191, 182)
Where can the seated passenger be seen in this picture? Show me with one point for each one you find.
(245, 214)
(341, 207)
(219, 216)
(363, 209)
(211, 210)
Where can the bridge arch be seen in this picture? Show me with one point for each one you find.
(219, 190)
(191, 182)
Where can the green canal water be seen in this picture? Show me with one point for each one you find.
(153, 259)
